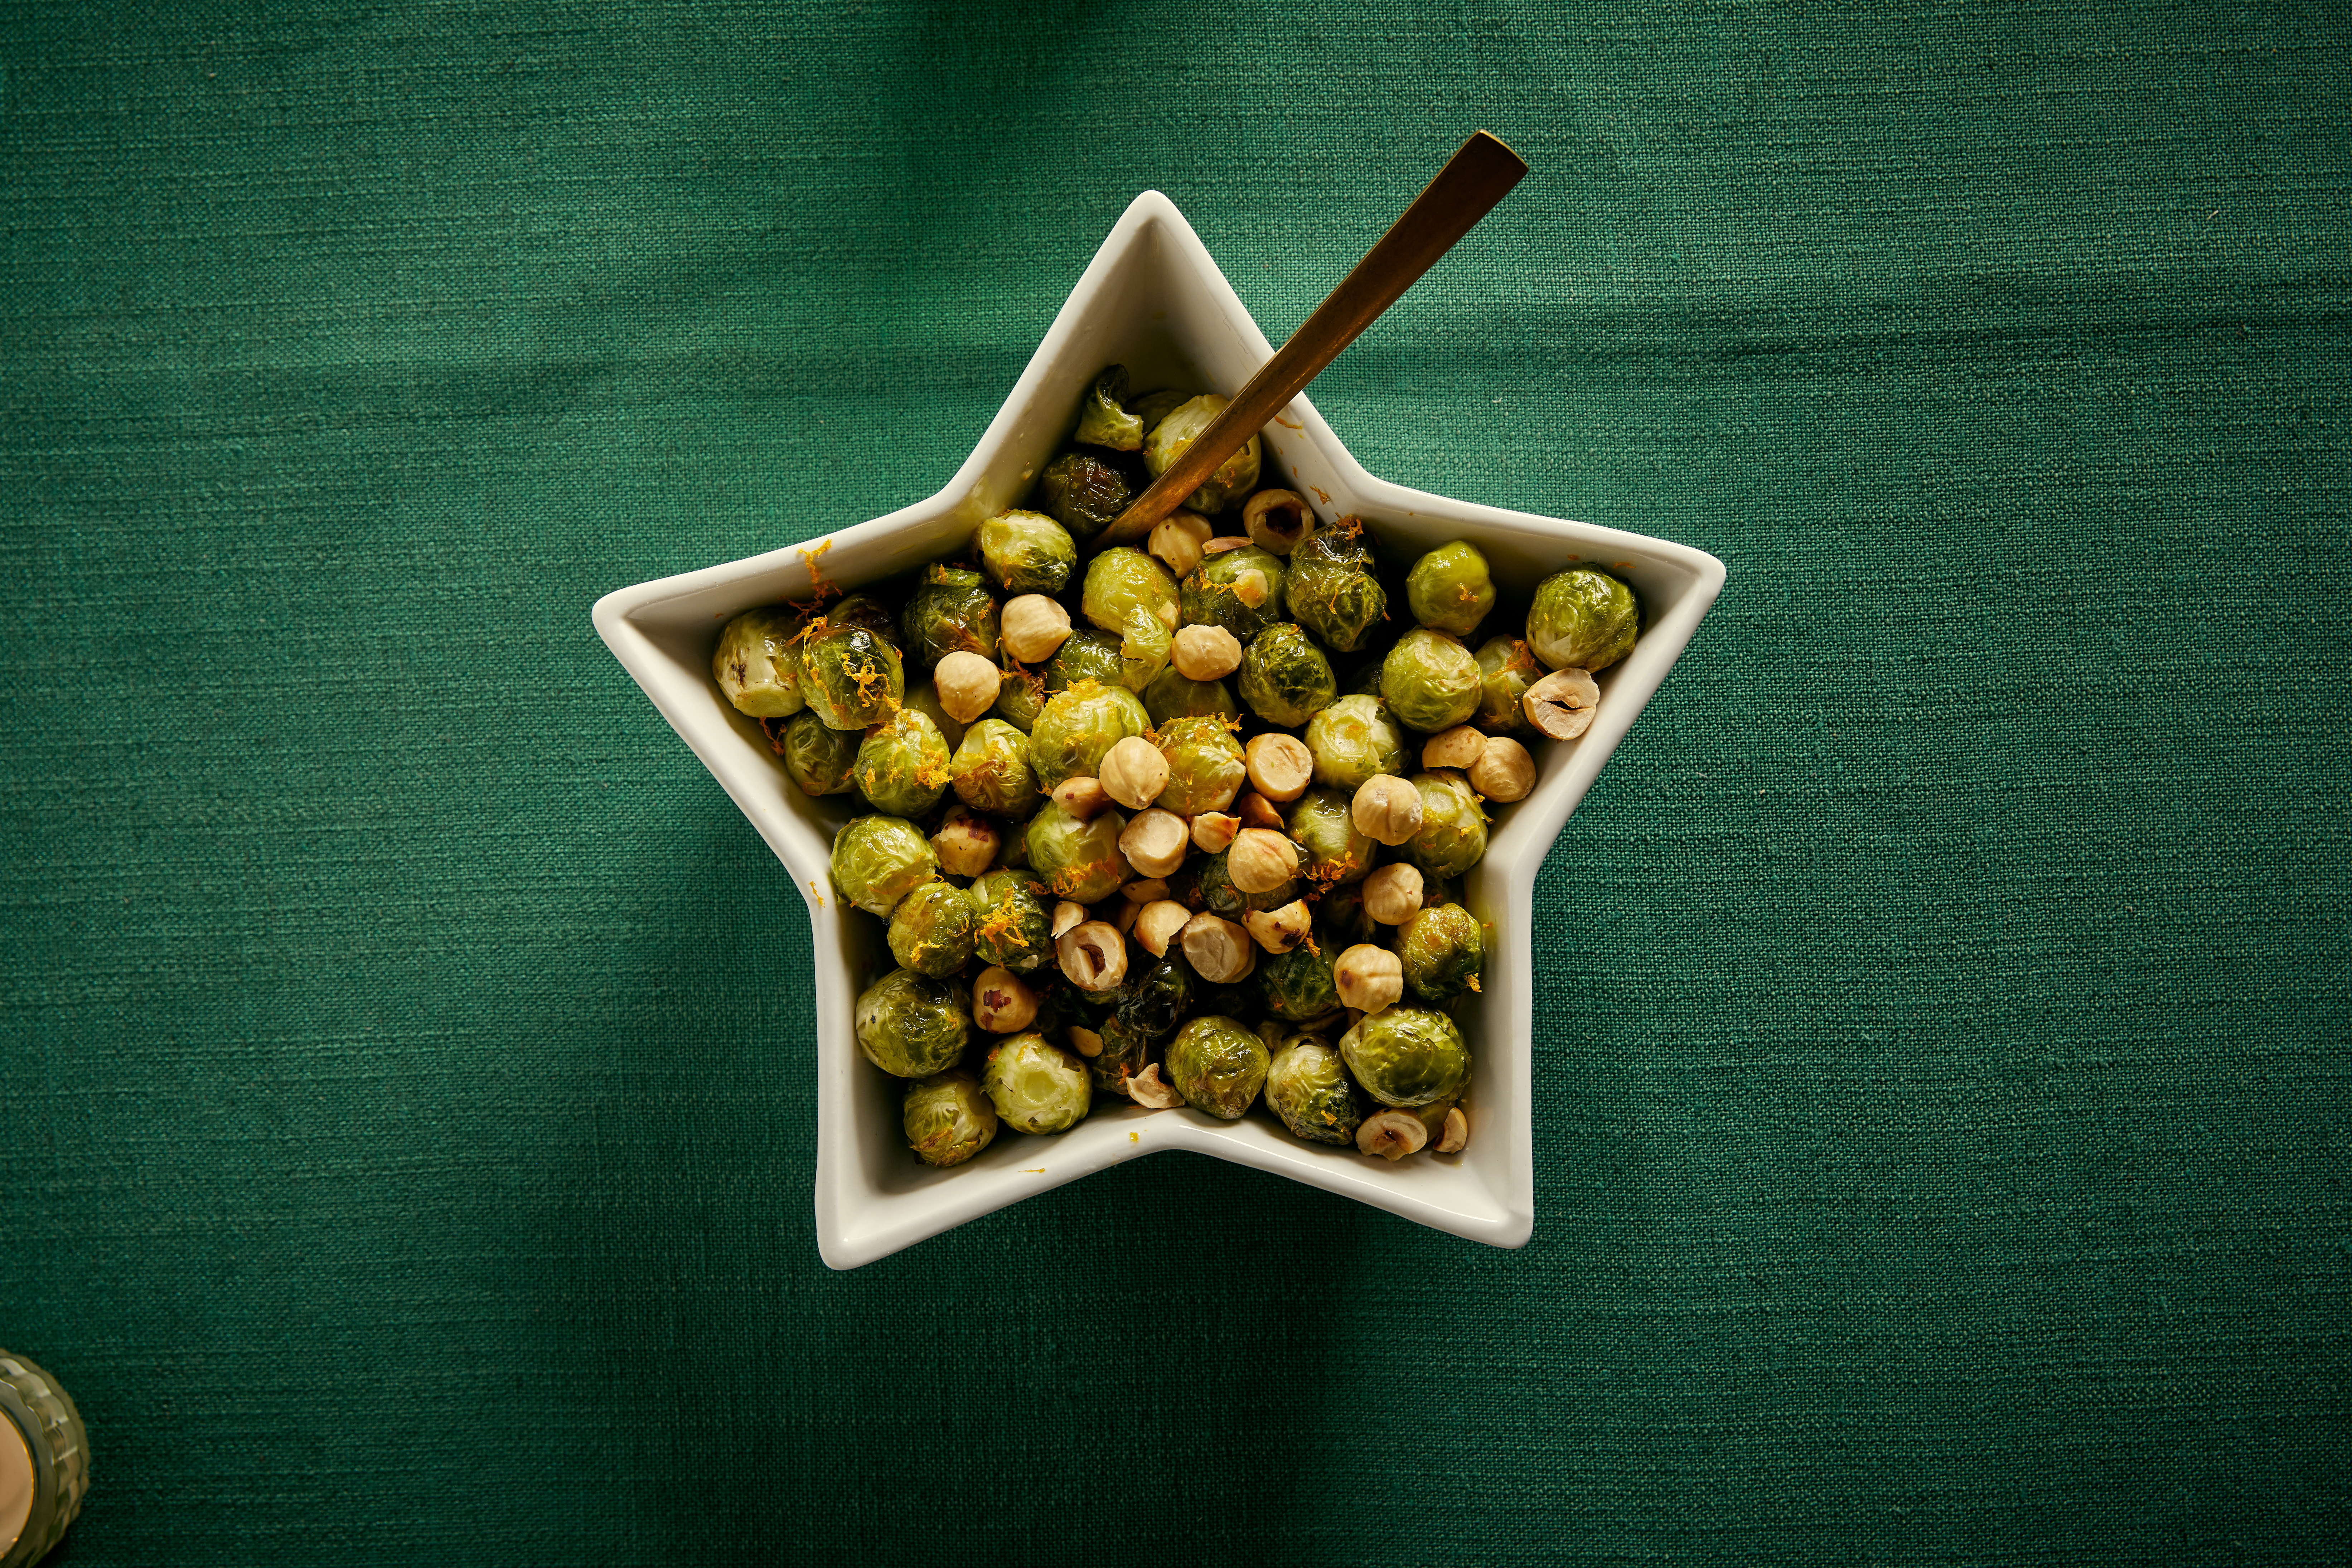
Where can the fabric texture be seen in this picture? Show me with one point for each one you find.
(406, 1144)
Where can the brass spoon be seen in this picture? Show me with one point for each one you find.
(1464, 191)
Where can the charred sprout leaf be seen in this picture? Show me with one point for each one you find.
(1121, 584)
(1240, 590)
(902, 765)
(1235, 477)
(991, 769)
(852, 676)
(1171, 696)
(1296, 986)
(1444, 950)
(878, 860)
(1103, 419)
(1078, 726)
(1506, 669)
(1306, 1085)
(1583, 619)
(1407, 1057)
(1430, 681)
(931, 931)
(758, 662)
(1205, 768)
(1083, 492)
(1353, 740)
(1076, 858)
(1453, 836)
(910, 1026)
(950, 611)
(948, 1119)
(1027, 553)
(1333, 589)
(1336, 852)
(1284, 678)
(820, 758)
(1036, 1086)
(1155, 1000)
(1450, 589)
(1217, 1066)
(1011, 927)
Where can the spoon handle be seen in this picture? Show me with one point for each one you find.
(1464, 191)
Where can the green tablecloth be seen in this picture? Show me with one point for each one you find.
(405, 1146)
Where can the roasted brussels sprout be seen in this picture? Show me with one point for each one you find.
(1444, 950)
(1205, 768)
(866, 613)
(1212, 879)
(1306, 1085)
(1119, 583)
(1171, 696)
(1158, 997)
(1284, 678)
(902, 766)
(1009, 925)
(758, 662)
(950, 611)
(1152, 408)
(1035, 1085)
(1353, 740)
(1407, 1057)
(1019, 698)
(1143, 645)
(1583, 619)
(1430, 681)
(1341, 920)
(1506, 669)
(910, 1026)
(1238, 589)
(851, 674)
(1336, 850)
(1077, 726)
(991, 769)
(1333, 589)
(1296, 985)
(821, 759)
(1217, 1066)
(1087, 654)
(1027, 553)
(1076, 858)
(1234, 478)
(1453, 836)
(931, 931)
(1450, 589)
(1103, 419)
(878, 860)
(1124, 1052)
(1083, 492)
(948, 1119)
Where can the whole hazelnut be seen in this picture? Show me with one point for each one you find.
(967, 685)
(966, 843)
(1205, 653)
(1002, 1002)
(1176, 541)
(1456, 748)
(1133, 773)
(1280, 766)
(1154, 843)
(1278, 930)
(1158, 924)
(1561, 703)
(1386, 808)
(1083, 798)
(1276, 520)
(1393, 894)
(1261, 861)
(1094, 955)
(1218, 951)
(1504, 771)
(1033, 626)
(1370, 978)
(1213, 830)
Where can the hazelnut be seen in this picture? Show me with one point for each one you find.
(1122, 915)
(1368, 978)
(1206, 653)
(1276, 520)
(1002, 1002)
(967, 685)
(1261, 861)
(1456, 1136)
(1386, 808)
(1218, 951)
(1561, 703)
(1094, 955)
(1456, 748)
(1086, 1041)
(1278, 930)
(1146, 1090)
(966, 843)
(1157, 923)
(1033, 626)
(1177, 541)
(1133, 773)
(1256, 811)
(1083, 798)
(1223, 542)
(1393, 894)
(1213, 830)
(1504, 771)
(1392, 1135)
(1280, 766)
(1154, 843)
(1144, 891)
(1068, 915)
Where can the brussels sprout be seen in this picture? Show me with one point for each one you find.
(1027, 553)
(1453, 836)
(950, 611)
(902, 766)
(1362, 677)
(1103, 419)
(852, 674)
(1217, 1066)
(1333, 590)
(931, 931)
(1296, 985)
(1156, 999)
(1583, 619)
(1076, 858)
(1506, 669)
(990, 771)
(1444, 950)
(923, 698)
(1082, 494)
(1354, 739)
(1284, 678)
(820, 758)
(1124, 1052)
(1341, 921)
(1143, 647)
(910, 1026)
(1152, 407)
(1121, 581)
(1337, 851)
(1205, 766)
(1306, 1085)
(1450, 589)
(1036, 1086)
(1087, 654)
(1019, 699)
(1430, 681)
(1240, 590)
(1407, 1057)
(1009, 925)
(878, 860)
(1234, 478)
(866, 613)
(948, 1119)
(1171, 696)
(1218, 895)
(758, 662)
(1077, 726)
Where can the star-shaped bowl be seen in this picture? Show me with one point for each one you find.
(1153, 300)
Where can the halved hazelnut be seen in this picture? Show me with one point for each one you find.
(1276, 520)
(1392, 1135)
(1154, 843)
(1146, 1090)
(1278, 930)
(1086, 1041)
(1280, 766)
(1562, 704)
(1158, 924)
(1456, 1136)
(1094, 955)
(1256, 811)
(1176, 541)
(1214, 830)
(1067, 916)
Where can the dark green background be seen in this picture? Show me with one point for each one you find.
(1941, 1128)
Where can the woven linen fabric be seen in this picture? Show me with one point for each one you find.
(405, 1149)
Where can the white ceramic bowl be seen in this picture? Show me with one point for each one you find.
(1153, 300)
